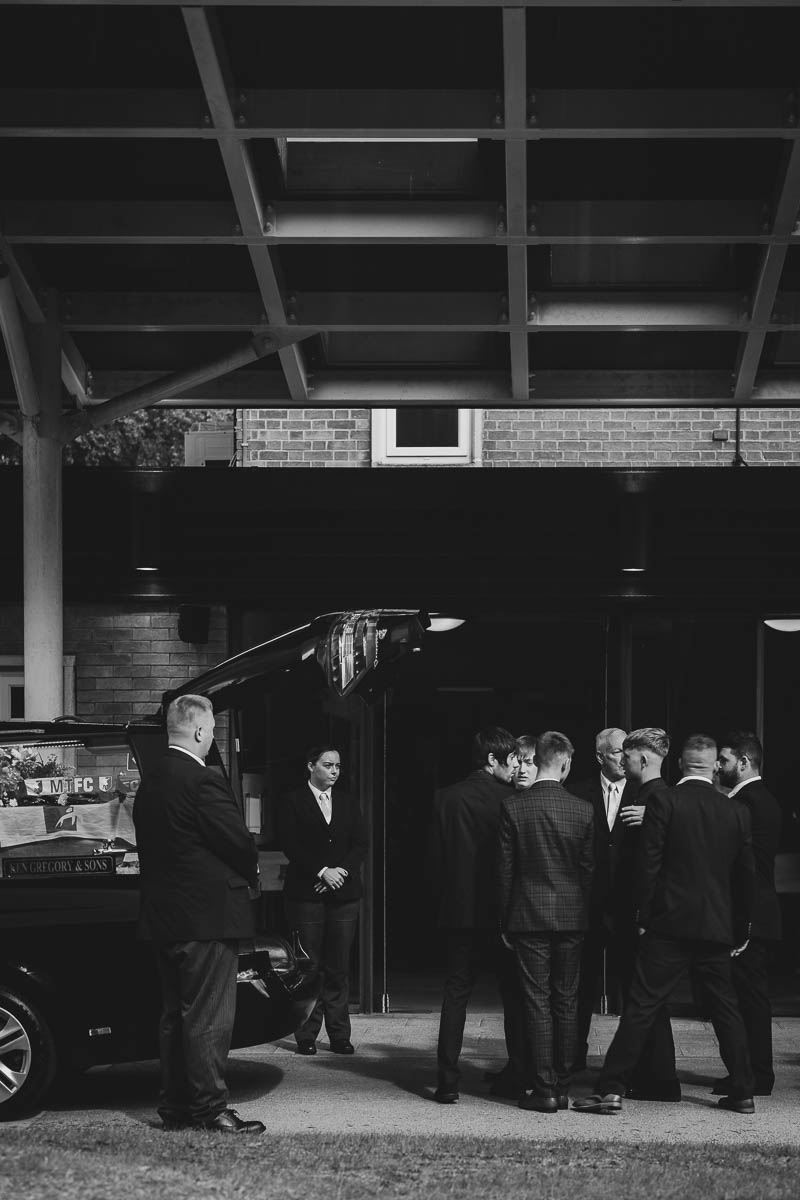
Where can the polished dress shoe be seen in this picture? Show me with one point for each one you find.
(445, 1096)
(562, 1100)
(537, 1103)
(306, 1047)
(229, 1121)
(342, 1046)
(723, 1086)
(176, 1121)
(737, 1104)
(602, 1105)
(667, 1092)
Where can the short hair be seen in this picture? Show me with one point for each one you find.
(183, 712)
(699, 743)
(552, 745)
(496, 741)
(744, 742)
(526, 743)
(313, 753)
(651, 738)
(604, 735)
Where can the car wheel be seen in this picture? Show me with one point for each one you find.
(27, 1055)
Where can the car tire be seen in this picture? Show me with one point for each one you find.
(27, 1054)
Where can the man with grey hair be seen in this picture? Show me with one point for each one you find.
(198, 862)
(694, 902)
(613, 801)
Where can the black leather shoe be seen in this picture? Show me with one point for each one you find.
(723, 1086)
(737, 1104)
(229, 1121)
(562, 1100)
(602, 1105)
(306, 1047)
(540, 1104)
(342, 1046)
(174, 1123)
(667, 1093)
(445, 1096)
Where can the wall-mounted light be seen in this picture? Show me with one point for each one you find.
(443, 624)
(634, 529)
(146, 533)
(784, 624)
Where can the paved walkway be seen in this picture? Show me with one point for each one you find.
(387, 1087)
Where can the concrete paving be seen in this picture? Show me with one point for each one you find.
(387, 1087)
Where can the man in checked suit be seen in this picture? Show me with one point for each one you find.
(694, 899)
(739, 768)
(545, 859)
(198, 862)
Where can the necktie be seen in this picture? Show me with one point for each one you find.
(611, 801)
(325, 805)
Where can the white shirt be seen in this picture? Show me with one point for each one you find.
(325, 809)
(694, 779)
(183, 750)
(744, 783)
(611, 802)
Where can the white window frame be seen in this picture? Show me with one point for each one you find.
(12, 672)
(385, 450)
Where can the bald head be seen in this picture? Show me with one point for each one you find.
(699, 756)
(608, 752)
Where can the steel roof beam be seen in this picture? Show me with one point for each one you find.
(516, 215)
(217, 83)
(769, 277)
(387, 222)
(656, 113)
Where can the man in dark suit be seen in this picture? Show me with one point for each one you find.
(545, 860)
(695, 900)
(644, 750)
(197, 862)
(739, 768)
(461, 865)
(605, 955)
(322, 834)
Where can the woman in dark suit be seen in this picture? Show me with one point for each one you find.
(322, 834)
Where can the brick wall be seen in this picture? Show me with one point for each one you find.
(305, 437)
(126, 655)
(611, 437)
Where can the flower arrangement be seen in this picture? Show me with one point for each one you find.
(17, 765)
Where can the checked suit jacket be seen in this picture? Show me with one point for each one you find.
(545, 860)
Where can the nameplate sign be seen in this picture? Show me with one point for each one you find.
(39, 868)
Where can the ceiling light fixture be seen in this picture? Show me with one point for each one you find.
(784, 624)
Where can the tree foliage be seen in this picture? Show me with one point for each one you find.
(149, 439)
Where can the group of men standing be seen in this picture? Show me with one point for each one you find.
(616, 875)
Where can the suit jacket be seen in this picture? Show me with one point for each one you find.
(698, 877)
(196, 856)
(462, 851)
(545, 859)
(765, 827)
(310, 843)
(609, 846)
(629, 859)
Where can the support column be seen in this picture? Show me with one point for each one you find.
(43, 591)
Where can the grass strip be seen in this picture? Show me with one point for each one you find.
(38, 1163)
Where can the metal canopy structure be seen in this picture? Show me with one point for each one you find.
(477, 204)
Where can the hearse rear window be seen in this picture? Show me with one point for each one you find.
(66, 808)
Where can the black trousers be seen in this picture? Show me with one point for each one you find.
(657, 1062)
(326, 929)
(469, 952)
(198, 989)
(660, 964)
(750, 981)
(549, 967)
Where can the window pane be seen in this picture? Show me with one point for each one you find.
(17, 701)
(426, 426)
